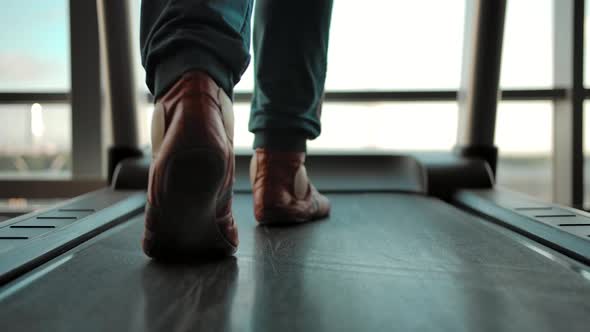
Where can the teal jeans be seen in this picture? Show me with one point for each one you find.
(290, 41)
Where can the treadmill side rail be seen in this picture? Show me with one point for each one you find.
(28, 241)
(561, 228)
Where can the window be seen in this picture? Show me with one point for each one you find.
(414, 45)
(524, 163)
(35, 141)
(35, 137)
(527, 61)
(417, 45)
(35, 51)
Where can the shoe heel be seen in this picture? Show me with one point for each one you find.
(184, 224)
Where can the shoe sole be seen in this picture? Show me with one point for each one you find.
(285, 221)
(279, 217)
(184, 225)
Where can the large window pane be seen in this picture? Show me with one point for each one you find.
(34, 48)
(524, 137)
(377, 126)
(418, 45)
(392, 45)
(527, 61)
(396, 127)
(395, 45)
(35, 140)
(414, 45)
(406, 126)
(388, 126)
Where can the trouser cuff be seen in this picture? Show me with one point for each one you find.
(287, 141)
(171, 69)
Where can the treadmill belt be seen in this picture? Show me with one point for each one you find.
(381, 262)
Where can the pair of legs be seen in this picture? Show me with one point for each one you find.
(194, 53)
(290, 53)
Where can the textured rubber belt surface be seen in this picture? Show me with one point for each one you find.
(381, 262)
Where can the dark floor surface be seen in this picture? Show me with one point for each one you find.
(382, 262)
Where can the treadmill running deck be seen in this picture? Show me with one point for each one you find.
(381, 262)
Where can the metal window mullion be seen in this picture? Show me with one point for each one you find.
(568, 162)
(353, 96)
(85, 96)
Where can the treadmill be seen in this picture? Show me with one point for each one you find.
(421, 242)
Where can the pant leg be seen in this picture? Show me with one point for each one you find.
(290, 61)
(182, 35)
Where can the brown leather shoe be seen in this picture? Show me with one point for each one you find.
(282, 192)
(191, 178)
